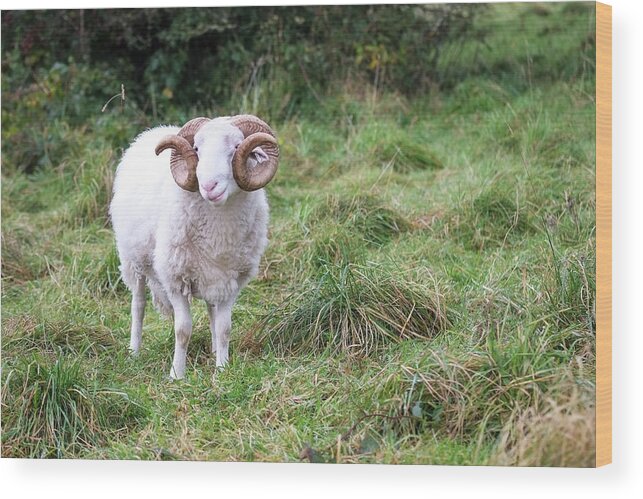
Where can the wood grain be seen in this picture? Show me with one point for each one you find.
(603, 234)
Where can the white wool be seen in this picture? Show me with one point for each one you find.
(180, 243)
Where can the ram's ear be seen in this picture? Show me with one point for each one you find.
(257, 156)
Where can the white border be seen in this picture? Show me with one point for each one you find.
(68, 479)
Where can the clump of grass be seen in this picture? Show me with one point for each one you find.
(334, 244)
(104, 276)
(21, 193)
(478, 392)
(19, 263)
(54, 410)
(309, 151)
(561, 150)
(476, 96)
(570, 288)
(561, 433)
(491, 219)
(26, 333)
(499, 210)
(364, 214)
(352, 309)
(342, 228)
(407, 155)
(93, 181)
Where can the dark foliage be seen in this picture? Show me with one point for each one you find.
(209, 54)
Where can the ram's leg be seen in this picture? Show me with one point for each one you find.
(138, 312)
(182, 333)
(222, 325)
(212, 313)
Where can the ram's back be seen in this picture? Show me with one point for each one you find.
(142, 182)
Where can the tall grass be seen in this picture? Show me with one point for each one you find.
(52, 410)
(28, 333)
(557, 432)
(352, 309)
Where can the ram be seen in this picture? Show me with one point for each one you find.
(193, 224)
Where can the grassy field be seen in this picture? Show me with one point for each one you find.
(427, 295)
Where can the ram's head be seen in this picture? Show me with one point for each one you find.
(219, 156)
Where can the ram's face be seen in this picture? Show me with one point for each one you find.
(215, 143)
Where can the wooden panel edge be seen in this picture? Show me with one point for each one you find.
(603, 234)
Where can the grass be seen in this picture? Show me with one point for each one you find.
(56, 411)
(427, 295)
(353, 309)
(406, 154)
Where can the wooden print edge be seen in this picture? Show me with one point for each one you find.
(603, 234)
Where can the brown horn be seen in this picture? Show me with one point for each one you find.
(256, 133)
(184, 158)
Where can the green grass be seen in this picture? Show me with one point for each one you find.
(353, 309)
(427, 295)
(56, 411)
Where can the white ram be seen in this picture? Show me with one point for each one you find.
(193, 224)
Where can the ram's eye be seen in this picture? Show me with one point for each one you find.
(196, 149)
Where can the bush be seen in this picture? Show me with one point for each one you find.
(46, 121)
(284, 56)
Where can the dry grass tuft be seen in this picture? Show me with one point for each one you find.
(558, 433)
(352, 309)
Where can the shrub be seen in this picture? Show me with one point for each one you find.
(284, 55)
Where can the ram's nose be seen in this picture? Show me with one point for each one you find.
(210, 185)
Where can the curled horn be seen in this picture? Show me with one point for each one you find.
(184, 158)
(256, 133)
